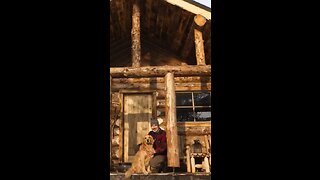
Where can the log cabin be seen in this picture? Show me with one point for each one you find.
(160, 66)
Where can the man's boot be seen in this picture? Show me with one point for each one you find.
(154, 170)
(163, 168)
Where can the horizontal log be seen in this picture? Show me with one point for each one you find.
(160, 71)
(163, 125)
(192, 79)
(116, 131)
(115, 152)
(115, 141)
(116, 89)
(161, 103)
(138, 80)
(194, 88)
(115, 98)
(115, 156)
(194, 124)
(160, 113)
(162, 109)
(117, 123)
(119, 86)
(113, 109)
(202, 130)
(161, 86)
(161, 94)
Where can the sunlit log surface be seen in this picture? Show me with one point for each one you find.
(160, 71)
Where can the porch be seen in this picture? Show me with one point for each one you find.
(164, 176)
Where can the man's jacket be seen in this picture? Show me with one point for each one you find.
(160, 142)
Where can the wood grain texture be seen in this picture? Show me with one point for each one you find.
(160, 71)
(171, 119)
(199, 47)
(137, 113)
(135, 34)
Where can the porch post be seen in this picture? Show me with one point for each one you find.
(135, 35)
(200, 21)
(110, 120)
(172, 133)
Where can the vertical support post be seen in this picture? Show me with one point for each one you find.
(206, 164)
(188, 159)
(171, 117)
(135, 35)
(121, 135)
(193, 165)
(198, 39)
(209, 138)
(206, 142)
(110, 119)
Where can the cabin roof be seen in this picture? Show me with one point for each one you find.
(165, 23)
(193, 7)
(205, 4)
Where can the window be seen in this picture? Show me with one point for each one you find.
(193, 106)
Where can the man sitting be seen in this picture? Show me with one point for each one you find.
(158, 162)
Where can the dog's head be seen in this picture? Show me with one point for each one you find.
(148, 139)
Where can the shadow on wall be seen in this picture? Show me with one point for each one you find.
(150, 56)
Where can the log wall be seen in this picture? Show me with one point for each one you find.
(186, 131)
(167, 38)
(115, 130)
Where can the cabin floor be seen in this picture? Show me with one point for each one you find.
(163, 176)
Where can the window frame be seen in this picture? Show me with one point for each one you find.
(193, 107)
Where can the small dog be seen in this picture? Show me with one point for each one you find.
(142, 158)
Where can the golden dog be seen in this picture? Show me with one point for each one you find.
(142, 158)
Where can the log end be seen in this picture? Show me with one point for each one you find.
(200, 20)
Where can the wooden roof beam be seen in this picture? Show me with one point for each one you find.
(160, 71)
(191, 8)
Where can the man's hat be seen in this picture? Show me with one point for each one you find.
(154, 121)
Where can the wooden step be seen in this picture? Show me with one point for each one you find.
(164, 176)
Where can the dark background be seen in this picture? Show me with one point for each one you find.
(55, 78)
(55, 96)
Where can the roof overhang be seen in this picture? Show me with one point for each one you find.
(191, 8)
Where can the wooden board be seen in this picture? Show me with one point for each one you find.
(137, 114)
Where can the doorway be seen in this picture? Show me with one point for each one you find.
(138, 109)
